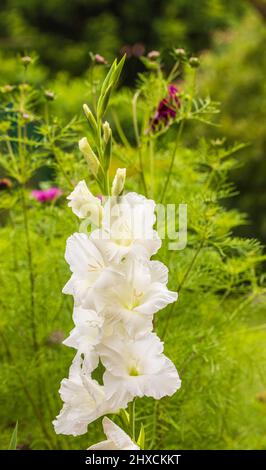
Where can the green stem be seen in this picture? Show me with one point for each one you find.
(170, 170)
(151, 166)
(133, 420)
(137, 137)
(30, 269)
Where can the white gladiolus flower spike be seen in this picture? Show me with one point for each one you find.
(117, 289)
(84, 204)
(138, 366)
(117, 439)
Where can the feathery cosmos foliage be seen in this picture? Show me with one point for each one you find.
(214, 333)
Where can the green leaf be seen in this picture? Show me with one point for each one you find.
(107, 79)
(103, 102)
(118, 71)
(141, 438)
(125, 417)
(13, 440)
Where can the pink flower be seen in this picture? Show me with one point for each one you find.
(167, 108)
(44, 195)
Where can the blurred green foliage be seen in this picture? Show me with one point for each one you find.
(63, 32)
(234, 73)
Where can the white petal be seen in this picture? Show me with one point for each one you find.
(115, 434)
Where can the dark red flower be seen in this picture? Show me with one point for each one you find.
(167, 108)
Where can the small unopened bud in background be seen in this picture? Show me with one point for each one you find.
(49, 95)
(194, 62)
(152, 55)
(26, 60)
(27, 117)
(180, 53)
(5, 183)
(99, 59)
(119, 181)
(6, 88)
(106, 131)
(89, 155)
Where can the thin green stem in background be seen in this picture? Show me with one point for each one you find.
(30, 269)
(138, 142)
(170, 170)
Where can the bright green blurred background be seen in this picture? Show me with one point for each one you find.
(228, 35)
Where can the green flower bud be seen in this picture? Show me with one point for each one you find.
(89, 155)
(119, 181)
(106, 131)
(90, 118)
(49, 95)
(180, 53)
(194, 62)
(26, 60)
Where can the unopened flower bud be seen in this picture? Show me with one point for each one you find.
(194, 62)
(27, 117)
(90, 118)
(153, 55)
(180, 53)
(49, 95)
(99, 59)
(89, 155)
(26, 60)
(5, 183)
(119, 181)
(106, 131)
(6, 88)
(24, 86)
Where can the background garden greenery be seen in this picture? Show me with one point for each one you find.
(216, 332)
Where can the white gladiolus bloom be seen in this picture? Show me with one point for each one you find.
(137, 366)
(139, 292)
(89, 268)
(83, 397)
(127, 228)
(84, 401)
(117, 439)
(87, 332)
(84, 204)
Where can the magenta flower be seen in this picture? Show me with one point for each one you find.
(44, 195)
(167, 108)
